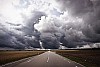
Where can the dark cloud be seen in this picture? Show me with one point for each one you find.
(76, 7)
(29, 37)
(92, 22)
(49, 41)
(80, 28)
(5, 38)
(75, 34)
(29, 26)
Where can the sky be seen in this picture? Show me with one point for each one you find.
(54, 24)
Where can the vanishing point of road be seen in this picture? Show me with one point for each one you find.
(47, 59)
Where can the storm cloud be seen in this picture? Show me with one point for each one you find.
(46, 24)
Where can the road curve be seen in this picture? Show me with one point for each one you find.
(47, 59)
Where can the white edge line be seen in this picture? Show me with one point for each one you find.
(75, 62)
(72, 60)
(16, 61)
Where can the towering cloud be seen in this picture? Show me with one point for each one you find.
(46, 24)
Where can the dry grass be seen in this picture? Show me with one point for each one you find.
(88, 58)
(10, 56)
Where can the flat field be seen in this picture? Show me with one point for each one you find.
(10, 56)
(88, 58)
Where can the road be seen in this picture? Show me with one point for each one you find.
(47, 59)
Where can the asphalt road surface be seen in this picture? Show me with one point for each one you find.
(47, 59)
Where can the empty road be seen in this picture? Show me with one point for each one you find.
(47, 59)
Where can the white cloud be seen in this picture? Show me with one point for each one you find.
(92, 45)
(55, 19)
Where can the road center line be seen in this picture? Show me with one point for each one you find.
(28, 60)
(68, 61)
(48, 58)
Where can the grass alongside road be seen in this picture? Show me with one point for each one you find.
(88, 58)
(10, 56)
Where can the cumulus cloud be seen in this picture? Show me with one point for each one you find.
(46, 24)
(78, 25)
(19, 35)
